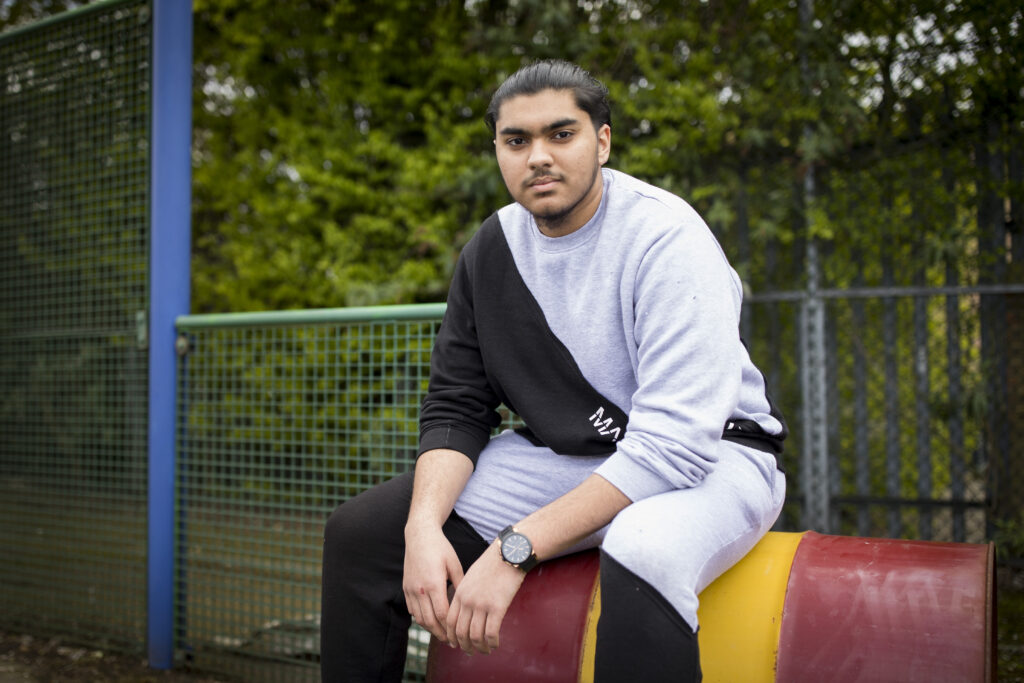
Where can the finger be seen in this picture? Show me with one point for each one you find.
(462, 630)
(412, 605)
(492, 630)
(421, 609)
(451, 621)
(477, 632)
(437, 605)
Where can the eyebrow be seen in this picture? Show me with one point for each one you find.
(560, 123)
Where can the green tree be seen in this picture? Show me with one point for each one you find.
(340, 157)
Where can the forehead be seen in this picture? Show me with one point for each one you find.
(537, 110)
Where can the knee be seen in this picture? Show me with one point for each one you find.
(633, 538)
(375, 516)
(348, 526)
(660, 552)
(339, 526)
(347, 540)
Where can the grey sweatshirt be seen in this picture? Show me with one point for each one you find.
(641, 308)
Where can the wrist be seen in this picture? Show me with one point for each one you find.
(419, 526)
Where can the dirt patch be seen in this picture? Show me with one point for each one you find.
(51, 660)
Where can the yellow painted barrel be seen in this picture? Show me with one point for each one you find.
(740, 613)
(800, 607)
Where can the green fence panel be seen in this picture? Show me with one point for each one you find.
(283, 417)
(74, 184)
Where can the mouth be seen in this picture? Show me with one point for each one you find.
(543, 184)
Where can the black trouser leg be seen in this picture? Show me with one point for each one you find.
(640, 636)
(364, 622)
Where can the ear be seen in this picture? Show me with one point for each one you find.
(604, 143)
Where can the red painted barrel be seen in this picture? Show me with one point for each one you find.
(869, 609)
(543, 635)
(798, 608)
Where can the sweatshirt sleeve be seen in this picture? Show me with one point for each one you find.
(685, 302)
(460, 409)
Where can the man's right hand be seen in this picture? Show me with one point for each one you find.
(430, 559)
(430, 563)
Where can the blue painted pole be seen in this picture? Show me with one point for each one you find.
(169, 292)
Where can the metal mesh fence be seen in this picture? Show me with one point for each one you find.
(279, 425)
(919, 410)
(906, 417)
(74, 183)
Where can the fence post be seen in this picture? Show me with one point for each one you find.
(169, 277)
(814, 474)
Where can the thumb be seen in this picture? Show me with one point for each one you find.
(454, 568)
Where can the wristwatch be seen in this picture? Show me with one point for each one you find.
(516, 549)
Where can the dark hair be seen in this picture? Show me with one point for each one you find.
(554, 74)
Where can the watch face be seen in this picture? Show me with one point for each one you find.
(516, 548)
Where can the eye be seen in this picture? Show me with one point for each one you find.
(515, 142)
(562, 135)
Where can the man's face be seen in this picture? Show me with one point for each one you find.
(550, 157)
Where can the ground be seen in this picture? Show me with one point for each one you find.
(1010, 613)
(25, 659)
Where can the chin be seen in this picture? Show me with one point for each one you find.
(552, 217)
(546, 211)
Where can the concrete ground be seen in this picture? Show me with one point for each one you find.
(13, 672)
(29, 659)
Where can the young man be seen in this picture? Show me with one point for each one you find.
(603, 312)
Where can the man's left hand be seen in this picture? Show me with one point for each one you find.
(480, 602)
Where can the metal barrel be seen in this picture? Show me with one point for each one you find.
(547, 635)
(800, 607)
(868, 609)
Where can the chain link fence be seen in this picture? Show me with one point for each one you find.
(916, 408)
(74, 188)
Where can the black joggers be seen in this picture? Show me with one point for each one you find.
(364, 622)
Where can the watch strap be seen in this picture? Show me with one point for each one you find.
(529, 563)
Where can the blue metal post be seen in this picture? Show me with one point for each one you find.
(169, 292)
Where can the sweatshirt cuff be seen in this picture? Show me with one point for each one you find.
(447, 436)
(633, 479)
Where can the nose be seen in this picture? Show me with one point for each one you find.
(540, 156)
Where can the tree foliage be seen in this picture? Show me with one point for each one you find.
(340, 158)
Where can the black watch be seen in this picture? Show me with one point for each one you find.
(516, 549)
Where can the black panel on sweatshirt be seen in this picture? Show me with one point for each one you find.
(526, 366)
